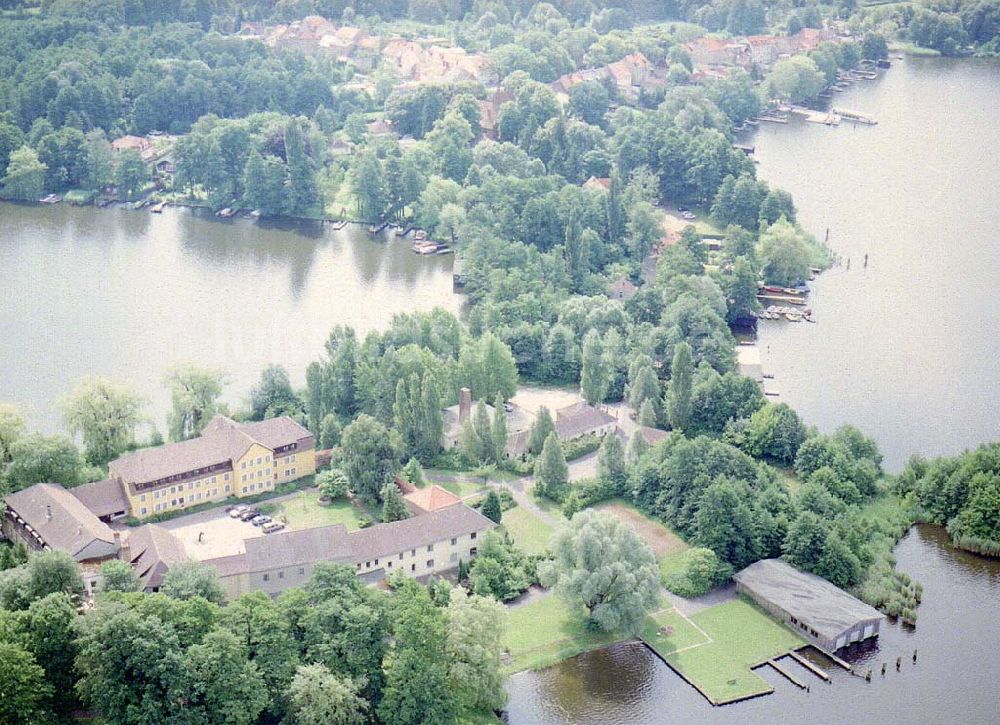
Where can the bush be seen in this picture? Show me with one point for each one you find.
(702, 572)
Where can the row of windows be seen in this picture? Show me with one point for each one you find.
(281, 574)
(197, 496)
(163, 493)
(260, 459)
(413, 553)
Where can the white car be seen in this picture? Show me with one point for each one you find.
(271, 527)
(236, 511)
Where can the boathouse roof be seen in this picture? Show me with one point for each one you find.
(828, 609)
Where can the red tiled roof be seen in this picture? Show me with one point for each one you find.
(432, 498)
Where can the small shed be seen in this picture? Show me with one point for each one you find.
(815, 608)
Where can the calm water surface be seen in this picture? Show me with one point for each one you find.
(907, 348)
(954, 681)
(125, 294)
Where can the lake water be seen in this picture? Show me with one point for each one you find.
(907, 348)
(954, 680)
(126, 294)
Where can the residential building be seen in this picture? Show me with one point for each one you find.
(816, 609)
(598, 183)
(429, 543)
(227, 459)
(622, 289)
(764, 49)
(47, 517)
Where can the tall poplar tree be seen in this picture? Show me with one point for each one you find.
(594, 376)
(679, 388)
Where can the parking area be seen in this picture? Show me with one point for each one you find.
(210, 534)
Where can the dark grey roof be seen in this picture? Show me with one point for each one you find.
(103, 498)
(288, 548)
(579, 419)
(824, 607)
(392, 538)
(152, 550)
(62, 521)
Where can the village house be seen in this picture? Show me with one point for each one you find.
(227, 459)
(489, 112)
(622, 289)
(709, 51)
(816, 609)
(47, 517)
(597, 183)
(151, 550)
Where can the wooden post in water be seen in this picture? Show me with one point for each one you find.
(914, 657)
(883, 669)
(899, 661)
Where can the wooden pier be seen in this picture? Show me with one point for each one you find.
(764, 296)
(809, 666)
(855, 116)
(833, 658)
(337, 226)
(788, 675)
(376, 228)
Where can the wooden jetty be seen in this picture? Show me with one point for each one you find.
(855, 116)
(158, 207)
(375, 229)
(832, 657)
(819, 672)
(403, 231)
(788, 675)
(337, 226)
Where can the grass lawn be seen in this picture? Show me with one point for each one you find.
(305, 512)
(462, 488)
(660, 538)
(527, 530)
(742, 636)
(547, 631)
(672, 563)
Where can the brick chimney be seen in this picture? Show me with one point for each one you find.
(464, 404)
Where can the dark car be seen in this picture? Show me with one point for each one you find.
(249, 514)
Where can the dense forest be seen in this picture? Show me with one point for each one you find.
(562, 200)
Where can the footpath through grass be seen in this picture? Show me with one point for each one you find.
(742, 636)
(527, 530)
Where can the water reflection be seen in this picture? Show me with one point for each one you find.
(124, 294)
(953, 681)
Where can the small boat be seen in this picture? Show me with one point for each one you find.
(136, 205)
(158, 207)
(51, 199)
(793, 318)
(420, 235)
(226, 213)
(337, 226)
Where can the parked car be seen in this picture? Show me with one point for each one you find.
(688, 216)
(682, 209)
(260, 520)
(272, 526)
(236, 511)
(249, 514)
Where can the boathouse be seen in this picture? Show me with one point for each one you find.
(812, 606)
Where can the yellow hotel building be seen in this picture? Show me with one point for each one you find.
(227, 459)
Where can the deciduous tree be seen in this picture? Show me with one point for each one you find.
(601, 563)
(105, 415)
